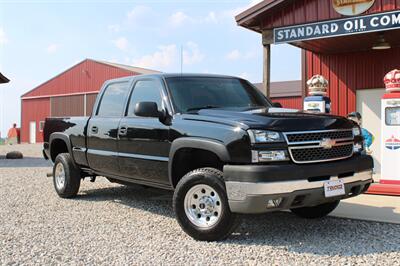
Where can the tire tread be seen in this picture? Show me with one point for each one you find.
(213, 177)
(72, 176)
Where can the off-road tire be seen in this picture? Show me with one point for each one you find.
(316, 212)
(227, 220)
(72, 176)
(14, 155)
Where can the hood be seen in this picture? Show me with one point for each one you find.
(279, 119)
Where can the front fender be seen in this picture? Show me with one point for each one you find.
(197, 143)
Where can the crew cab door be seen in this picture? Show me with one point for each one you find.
(143, 143)
(102, 130)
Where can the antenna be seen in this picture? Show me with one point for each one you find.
(181, 59)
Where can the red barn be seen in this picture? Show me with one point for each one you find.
(71, 93)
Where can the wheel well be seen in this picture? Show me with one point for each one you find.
(189, 159)
(57, 146)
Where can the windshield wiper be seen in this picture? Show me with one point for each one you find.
(202, 107)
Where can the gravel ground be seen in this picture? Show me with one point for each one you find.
(113, 224)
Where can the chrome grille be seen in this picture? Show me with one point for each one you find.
(308, 146)
(318, 154)
(316, 136)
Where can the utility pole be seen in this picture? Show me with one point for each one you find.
(181, 59)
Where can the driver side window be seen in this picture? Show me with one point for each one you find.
(145, 91)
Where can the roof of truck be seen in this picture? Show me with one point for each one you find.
(175, 75)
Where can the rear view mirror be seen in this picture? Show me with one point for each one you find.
(277, 105)
(147, 109)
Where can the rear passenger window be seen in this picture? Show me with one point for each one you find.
(145, 91)
(113, 100)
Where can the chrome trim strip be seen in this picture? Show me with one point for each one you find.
(316, 141)
(317, 146)
(143, 157)
(128, 155)
(320, 161)
(239, 191)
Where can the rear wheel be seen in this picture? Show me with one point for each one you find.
(315, 212)
(66, 176)
(201, 205)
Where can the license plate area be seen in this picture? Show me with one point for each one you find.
(334, 188)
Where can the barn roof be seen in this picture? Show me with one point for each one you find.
(139, 70)
(132, 69)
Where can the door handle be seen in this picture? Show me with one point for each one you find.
(95, 129)
(123, 131)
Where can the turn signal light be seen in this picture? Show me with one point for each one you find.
(269, 156)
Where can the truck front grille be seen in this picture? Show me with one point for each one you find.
(310, 146)
(318, 154)
(316, 136)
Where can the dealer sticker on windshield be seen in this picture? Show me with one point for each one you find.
(334, 188)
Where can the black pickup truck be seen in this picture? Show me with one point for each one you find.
(220, 144)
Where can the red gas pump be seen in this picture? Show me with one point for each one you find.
(389, 183)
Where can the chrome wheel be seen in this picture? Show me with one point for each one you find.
(203, 206)
(59, 176)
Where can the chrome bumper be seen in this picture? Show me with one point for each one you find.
(247, 197)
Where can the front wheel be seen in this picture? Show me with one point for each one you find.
(201, 205)
(315, 212)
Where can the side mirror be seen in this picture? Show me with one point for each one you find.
(147, 109)
(277, 105)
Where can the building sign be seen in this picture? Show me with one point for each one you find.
(352, 7)
(338, 27)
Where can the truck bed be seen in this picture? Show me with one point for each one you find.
(74, 128)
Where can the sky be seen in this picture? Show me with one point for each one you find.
(41, 38)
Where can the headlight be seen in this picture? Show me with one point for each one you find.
(356, 131)
(264, 136)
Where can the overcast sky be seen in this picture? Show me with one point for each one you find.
(41, 38)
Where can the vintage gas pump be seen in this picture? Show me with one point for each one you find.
(390, 148)
(317, 101)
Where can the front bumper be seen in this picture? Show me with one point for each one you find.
(252, 192)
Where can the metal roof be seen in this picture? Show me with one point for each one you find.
(139, 70)
(252, 15)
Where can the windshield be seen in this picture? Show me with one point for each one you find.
(195, 93)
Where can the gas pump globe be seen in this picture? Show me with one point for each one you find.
(390, 148)
(317, 101)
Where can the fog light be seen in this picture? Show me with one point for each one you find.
(274, 203)
(358, 147)
(269, 156)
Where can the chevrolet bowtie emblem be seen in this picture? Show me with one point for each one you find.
(327, 143)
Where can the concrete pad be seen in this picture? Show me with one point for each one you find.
(371, 208)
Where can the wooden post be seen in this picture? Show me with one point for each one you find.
(267, 40)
